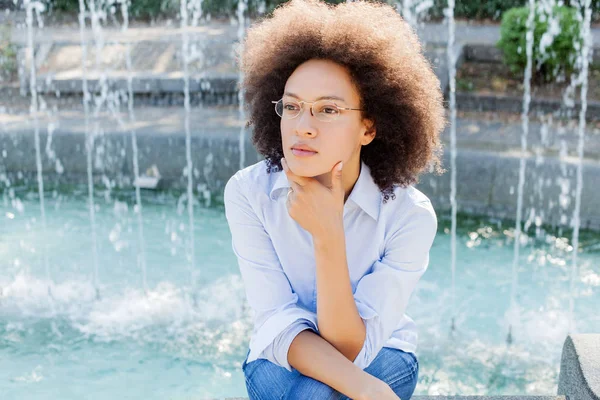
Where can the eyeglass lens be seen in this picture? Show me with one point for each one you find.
(324, 110)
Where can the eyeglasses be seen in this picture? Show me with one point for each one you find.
(325, 110)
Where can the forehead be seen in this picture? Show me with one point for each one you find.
(317, 78)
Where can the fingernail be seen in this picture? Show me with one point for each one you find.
(339, 168)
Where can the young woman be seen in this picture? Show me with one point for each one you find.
(330, 234)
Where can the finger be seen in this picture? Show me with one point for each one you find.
(336, 177)
(293, 178)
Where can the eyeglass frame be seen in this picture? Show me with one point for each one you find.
(301, 102)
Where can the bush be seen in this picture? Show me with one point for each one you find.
(137, 8)
(493, 9)
(255, 7)
(145, 9)
(473, 9)
(557, 58)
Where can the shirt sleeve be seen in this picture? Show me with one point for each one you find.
(382, 295)
(276, 352)
(278, 316)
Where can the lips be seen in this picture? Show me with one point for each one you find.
(304, 148)
(303, 153)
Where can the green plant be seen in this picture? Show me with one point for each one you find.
(255, 7)
(137, 8)
(475, 9)
(8, 56)
(493, 9)
(557, 58)
(472, 9)
(464, 85)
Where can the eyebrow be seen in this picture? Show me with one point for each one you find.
(318, 98)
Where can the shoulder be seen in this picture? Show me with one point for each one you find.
(410, 222)
(251, 179)
(409, 204)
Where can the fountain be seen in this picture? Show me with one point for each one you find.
(187, 315)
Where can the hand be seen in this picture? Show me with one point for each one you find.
(378, 390)
(315, 207)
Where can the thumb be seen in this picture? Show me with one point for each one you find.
(336, 176)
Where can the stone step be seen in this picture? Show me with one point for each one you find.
(515, 397)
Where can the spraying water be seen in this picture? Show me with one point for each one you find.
(102, 96)
(89, 145)
(242, 6)
(524, 133)
(188, 141)
(452, 95)
(34, 110)
(583, 78)
(141, 254)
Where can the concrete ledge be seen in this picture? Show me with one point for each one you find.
(457, 398)
(488, 180)
(514, 104)
(490, 53)
(142, 84)
(580, 367)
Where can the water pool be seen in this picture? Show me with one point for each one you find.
(180, 342)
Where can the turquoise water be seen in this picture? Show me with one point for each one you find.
(183, 342)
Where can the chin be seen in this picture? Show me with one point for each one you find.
(303, 168)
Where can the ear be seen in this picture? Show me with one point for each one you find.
(370, 132)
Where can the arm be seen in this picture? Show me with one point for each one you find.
(382, 295)
(277, 315)
(315, 357)
(339, 321)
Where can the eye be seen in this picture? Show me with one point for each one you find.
(329, 109)
(291, 106)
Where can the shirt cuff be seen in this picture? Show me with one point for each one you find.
(274, 326)
(283, 342)
(371, 319)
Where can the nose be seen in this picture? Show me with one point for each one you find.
(305, 123)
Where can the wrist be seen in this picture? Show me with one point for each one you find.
(369, 387)
(333, 234)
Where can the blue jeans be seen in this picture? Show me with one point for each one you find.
(266, 381)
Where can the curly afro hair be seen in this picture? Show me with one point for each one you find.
(396, 83)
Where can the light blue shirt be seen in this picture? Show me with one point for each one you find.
(387, 248)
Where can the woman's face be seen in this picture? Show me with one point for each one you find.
(334, 141)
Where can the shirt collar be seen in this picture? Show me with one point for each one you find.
(365, 194)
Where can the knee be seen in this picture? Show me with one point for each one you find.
(405, 387)
(265, 380)
(304, 387)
